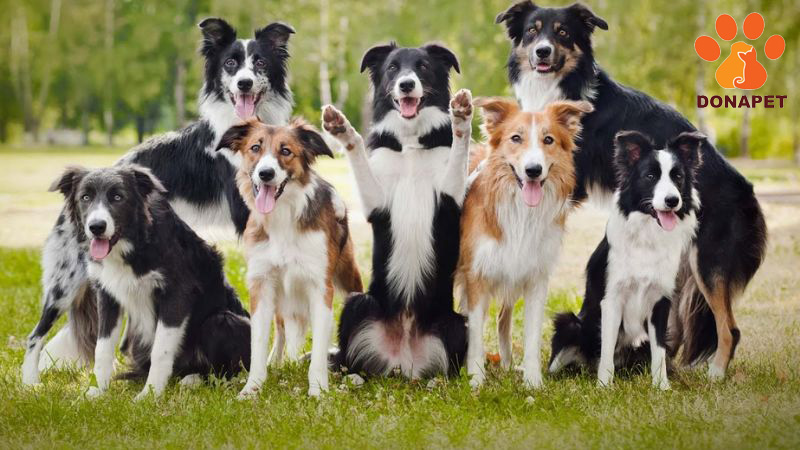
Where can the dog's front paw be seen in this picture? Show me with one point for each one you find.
(93, 392)
(316, 388)
(461, 113)
(715, 373)
(147, 391)
(533, 381)
(337, 125)
(476, 380)
(661, 384)
(249, 391)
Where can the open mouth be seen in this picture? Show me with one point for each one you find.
(100, 247)
(267, 195)
(408, 106)
(245, 104)
(543, 67)
(666, 219)
(532, 190)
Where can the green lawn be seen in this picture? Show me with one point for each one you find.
(757, 406)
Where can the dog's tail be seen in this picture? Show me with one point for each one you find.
(566, 345)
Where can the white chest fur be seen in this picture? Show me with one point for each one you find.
(643, 262)
(411, 182)
(535, 91)
(530, 244)
(134, 293)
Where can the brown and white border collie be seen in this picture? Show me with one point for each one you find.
(297, 245)
(513, 222)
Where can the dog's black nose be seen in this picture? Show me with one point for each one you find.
(533, 171)
(266, 174)
(98, 227)
(245, 84)
(543, 52)
(407, 86)
(671, 201)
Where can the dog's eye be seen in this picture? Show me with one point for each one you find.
(285, 151)
(548, 140)
(423, 66)
(230, 62)
(651, 176)
(392, 67)
(260, 63)
(117, 197)
(678, 176)
(255, 149)
(563, 33)
(85, 197)
(516, 139)
(532, 31)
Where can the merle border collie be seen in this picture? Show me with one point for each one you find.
(412, 185)
(630, 280)
(243, 78)
(144, 261)
(551, 59)
(513, 223)
(297, 244)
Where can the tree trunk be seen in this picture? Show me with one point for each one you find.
(108, 100)
(140, 129)
(180, 92)
(47, 72)
(343, 88)
(85, 124)
(21, 73)
(324, 75)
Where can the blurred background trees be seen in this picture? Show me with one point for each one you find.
(116, 71)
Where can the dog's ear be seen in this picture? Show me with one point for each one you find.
(443, 55)
(631, 146)
(146, 183)
(514, 18)
(68, 180)
(688, 145)
(234, 136)
(375, 56)
(569, 114)
(495, 110)
(313, 143)
(588, 17)
(276, 33)
(216, 33)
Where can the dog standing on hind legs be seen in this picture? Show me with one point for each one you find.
(513, 223)
(297, 245)
(412, 185)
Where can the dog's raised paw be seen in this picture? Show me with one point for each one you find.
(461, 112)
(337, 125)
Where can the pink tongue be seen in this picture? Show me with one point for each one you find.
(245, 105)
(408, 107)
(532, 192)
(667, 219)
(265, 200)
(99, 248)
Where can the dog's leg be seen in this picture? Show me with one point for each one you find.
(610, 320)
(262, 305)
(504, 325)
(295, 337)
(657, 331)
(276, 355)
(370, 191)
(455, 175)
(166, 345)
(534, 319)
(321, 328)
(477, 304)
(109, 327)
(64, 282)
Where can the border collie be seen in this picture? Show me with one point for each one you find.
(297, 244)
(144, 261)
(551, 59)
(412, 185)
(243, 78)
(631, 276)
(513, 223)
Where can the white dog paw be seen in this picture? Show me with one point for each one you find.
(93, 392)
(461, 113)
(147, 391)
(476, 381)
(533, 381)
(337, 125)
(715, 373)
(661, 384)
(191, 381)
(249, 391)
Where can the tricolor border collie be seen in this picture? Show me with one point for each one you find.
(513, 223)
(145, 262)
(243, 78)
(297, 245)
(412, 185)
(551, 59)
(630, 280)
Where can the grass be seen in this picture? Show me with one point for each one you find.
(758, 406)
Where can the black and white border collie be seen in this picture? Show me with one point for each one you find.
(144, 261)
(243, 78)
(551, 59)
(412, 185)
(630, 280)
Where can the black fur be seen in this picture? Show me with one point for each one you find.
(732, 233)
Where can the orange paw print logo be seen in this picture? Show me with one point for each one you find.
(741, 69)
